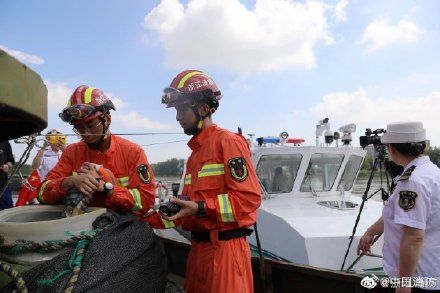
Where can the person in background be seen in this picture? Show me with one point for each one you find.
(221, 193)
(410, 220)
(6, 162)
(161, 190)
(280, 181)
(109, 170)
(47, 157)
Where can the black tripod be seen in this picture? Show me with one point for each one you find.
(381, 163)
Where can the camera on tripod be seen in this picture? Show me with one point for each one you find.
(371, 137)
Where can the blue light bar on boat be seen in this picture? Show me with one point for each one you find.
(262, 140)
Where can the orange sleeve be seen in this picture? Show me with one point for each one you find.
(50, 189)
(242, 195)
(138, 196)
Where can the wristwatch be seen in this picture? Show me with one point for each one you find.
(108, 186)
(201, 212)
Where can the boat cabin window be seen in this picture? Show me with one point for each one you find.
(322, 172)
(277, 173)
(350, 171)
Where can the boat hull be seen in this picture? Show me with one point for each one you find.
(278, 276)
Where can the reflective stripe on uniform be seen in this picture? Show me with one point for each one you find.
(123, 181)
(137, 199)
(167, 224)
(186, 77)
(88, 95)
(226, 212)
(187, 179)
(212, 170)
(40, 192)
(74, 173)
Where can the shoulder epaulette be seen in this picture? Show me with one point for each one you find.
(405, 176)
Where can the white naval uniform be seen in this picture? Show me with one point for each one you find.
(423, 213)
(48, 161)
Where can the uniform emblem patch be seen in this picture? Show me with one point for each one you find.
(238, 168)
(144, 173)
(407, 199)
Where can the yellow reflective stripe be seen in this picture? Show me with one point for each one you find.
(123, 181)
(187, 179)
(168, 224)
(186, 77)
(74, 173)
(40, 192)
(88, 95)
(226, 212)
(69, 102)
(137, 199)
(212, 170)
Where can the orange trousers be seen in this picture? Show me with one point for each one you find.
(222, 266)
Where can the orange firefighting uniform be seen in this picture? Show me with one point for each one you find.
(232, 196)
(134, 190)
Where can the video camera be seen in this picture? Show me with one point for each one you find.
(371, 137)
(380, 150)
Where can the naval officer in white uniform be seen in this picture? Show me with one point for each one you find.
(411, 218)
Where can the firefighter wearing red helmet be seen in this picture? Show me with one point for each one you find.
(221, 193)
(111, 171)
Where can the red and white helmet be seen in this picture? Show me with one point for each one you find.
(85, 104)
(190, 86)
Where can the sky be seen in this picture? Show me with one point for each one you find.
(282, 65)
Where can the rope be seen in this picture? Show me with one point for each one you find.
(31, 140)
(16, 276)
(73, 266)
(136, 134)
(166, 142)
(20, 246)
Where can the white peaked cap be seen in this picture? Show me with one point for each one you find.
(404, 132)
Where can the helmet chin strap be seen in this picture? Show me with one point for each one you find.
(97, 144)
(199, 124)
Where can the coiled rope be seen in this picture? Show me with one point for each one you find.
(73, 266)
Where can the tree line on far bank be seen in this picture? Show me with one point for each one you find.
(169, 168)
(174, 167)
(432, 152)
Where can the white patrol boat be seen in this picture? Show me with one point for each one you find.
(307, 214)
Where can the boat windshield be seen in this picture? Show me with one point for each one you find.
(322, 172)
(277, 173)
(350, 171)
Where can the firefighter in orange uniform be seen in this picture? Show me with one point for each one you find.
(221, 190)
(112, 171)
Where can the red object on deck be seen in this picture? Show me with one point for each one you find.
(296, 141)
(29, 191)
